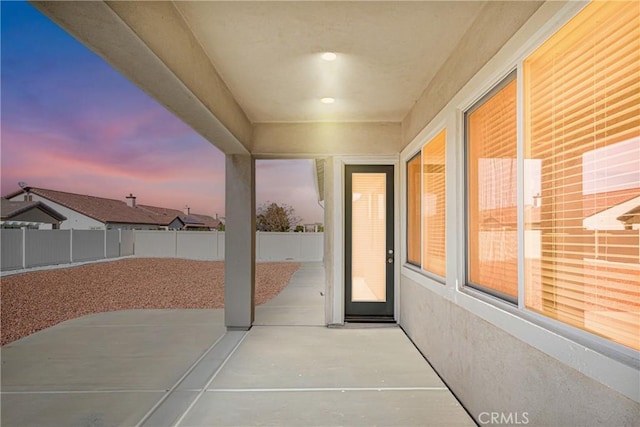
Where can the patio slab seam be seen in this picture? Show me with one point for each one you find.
(170, 410)
(308, 389)
(82, 391)
(213, 377)
(177, 384)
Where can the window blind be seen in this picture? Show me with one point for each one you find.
(582, 127)
(492, 241)
(413, 210)
(434, 205)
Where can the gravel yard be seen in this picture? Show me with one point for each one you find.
(37, 300)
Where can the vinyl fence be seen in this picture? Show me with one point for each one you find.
(302, 247)
(34, 248)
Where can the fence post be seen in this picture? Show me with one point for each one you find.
(105, 242)
(215, 254)
(258, 257)
(71, 245)
(119, 242)
(24, 247)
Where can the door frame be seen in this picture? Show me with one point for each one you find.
(335, 316)
(370, 310)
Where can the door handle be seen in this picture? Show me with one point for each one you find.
(390, 260)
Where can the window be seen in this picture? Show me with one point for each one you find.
(492, 235)
(413, 210)
(565, 244)
(434, 207)
(582, 173)
(426, 207)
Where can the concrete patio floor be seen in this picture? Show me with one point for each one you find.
(181, 367)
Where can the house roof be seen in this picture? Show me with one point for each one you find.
(203, 220)
(191, 219)
(508, 216)
(598, 202)
(632, 216)
(10, 209)
(109, 210)
(591, 205)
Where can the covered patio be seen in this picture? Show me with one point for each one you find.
(457, 148)
(182, 368)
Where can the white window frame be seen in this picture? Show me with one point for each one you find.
(609, 363)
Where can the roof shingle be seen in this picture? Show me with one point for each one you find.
(111, 210)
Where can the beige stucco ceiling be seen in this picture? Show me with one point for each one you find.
(268, 54)
(247, 75)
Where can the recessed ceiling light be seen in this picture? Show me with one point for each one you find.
(328, 100)
(329, 56)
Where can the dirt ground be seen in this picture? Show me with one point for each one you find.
(37, 300)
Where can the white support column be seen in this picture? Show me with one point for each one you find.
(329, 253)
(240, 242)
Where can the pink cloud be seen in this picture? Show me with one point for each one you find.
(194, 177)
(150, 124)
(184, 171)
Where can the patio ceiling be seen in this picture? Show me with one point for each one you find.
(248, 75)
(269, 54)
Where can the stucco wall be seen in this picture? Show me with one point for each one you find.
(321, 139)
(496, 357)
(490, 370)
(329, 255)
(472, 52)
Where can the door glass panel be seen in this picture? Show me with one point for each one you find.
(368, 213)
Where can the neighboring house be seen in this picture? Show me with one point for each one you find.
(97, 213)
(631, 219)
(507, 218)
(612, 210)
(29, 214)
(200, 222)
(190, 221)
(316, 227)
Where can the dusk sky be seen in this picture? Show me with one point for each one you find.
(70, 122)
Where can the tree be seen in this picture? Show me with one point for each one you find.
(273, 217)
